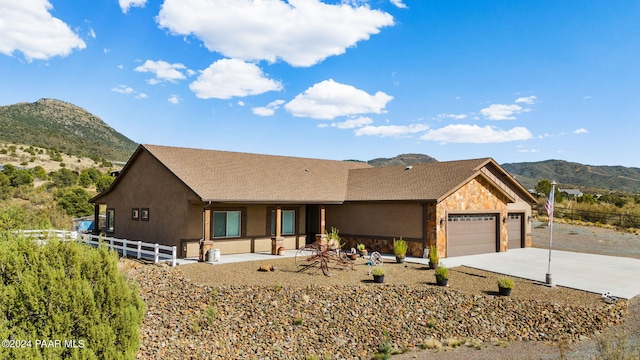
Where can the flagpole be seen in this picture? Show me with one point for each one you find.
(549, 206)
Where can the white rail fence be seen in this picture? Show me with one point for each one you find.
(124, 247)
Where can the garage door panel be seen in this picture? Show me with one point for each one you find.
(469, 234)
(514, 224)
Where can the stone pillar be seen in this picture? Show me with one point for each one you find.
(276, 243)
(205, 245)
(207, 224)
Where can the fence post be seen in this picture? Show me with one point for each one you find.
(174, 254)
(124, 247)
(111, 243)
(139, 250)
(156, 253)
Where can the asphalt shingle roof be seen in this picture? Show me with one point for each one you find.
(430, 181)
(243, 177)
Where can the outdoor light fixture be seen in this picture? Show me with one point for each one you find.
(441, 221)
(529, 218)
(504, 220)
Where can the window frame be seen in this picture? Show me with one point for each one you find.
(241, 223)
(110, 221)
(271, 220)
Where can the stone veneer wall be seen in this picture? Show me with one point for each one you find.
(477, 196)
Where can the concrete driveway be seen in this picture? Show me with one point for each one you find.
(594, 273)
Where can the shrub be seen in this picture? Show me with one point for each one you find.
(400, 247)
(433, 255)
(506, 283)
(360, 247)
(378, 271)
(442, 272)
(66, 291)
(74, 201)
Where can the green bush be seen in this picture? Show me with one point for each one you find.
(400, 247)
(74, 201)
(378, 271)
(442, 272)
(68, 292)
(506, 283)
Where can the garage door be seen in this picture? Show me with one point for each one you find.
(514, 224)
(470, 234)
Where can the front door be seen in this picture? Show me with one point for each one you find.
(312, 222)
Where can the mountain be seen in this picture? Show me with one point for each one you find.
(572, 174)
(403, 159)
(55, 124)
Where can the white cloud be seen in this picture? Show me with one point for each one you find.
(174, 99)
(300, 32)
(268, 110)
(501, 111)
(581, 131)
(391, 130)
(350, 123)
(475, 134)
(28, 27)
(399, 4)
(452, 116)
(529, 100)
(240, 103)
(227, 78)
(126, 4)
(123, 89)
(142, 96)
(162, 70)
(329, 99)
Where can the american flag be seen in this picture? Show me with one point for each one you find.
(549, 206)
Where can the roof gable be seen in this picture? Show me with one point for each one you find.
(430, 182)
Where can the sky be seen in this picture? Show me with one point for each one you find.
(518, 81)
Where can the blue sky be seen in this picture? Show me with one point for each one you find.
(514, 80)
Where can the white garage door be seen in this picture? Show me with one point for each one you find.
(470, 234)
(514, 223)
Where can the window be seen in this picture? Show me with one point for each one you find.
(144, 214)
(288, 226)
(226, 224)
(135, 214)
(111, 220)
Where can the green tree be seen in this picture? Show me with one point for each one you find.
(66, 291)
(63, 178)
(74, 201)
(104, 182)
(5, 186)
(39, 172)
(544, 187)
(84, 180)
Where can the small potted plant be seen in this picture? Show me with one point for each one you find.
(362, 250)
(400, 248)
(378, 274)
(442, 275)
(433, 257)
(334, 241)
(505, 285)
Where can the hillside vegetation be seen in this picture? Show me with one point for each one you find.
(617, 178)
(55, 124)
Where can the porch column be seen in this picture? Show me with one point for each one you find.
(207, 224)
(322, 220)
(96, 219)
(278, 241)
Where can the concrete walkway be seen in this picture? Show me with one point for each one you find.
(594, 273)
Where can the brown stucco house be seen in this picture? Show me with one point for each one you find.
(242, 203)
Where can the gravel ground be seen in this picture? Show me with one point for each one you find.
(287, 314)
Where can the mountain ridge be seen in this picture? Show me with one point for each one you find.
(63, 126)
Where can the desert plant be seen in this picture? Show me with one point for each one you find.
(433, 256)
(378, 271)
(71, 291)
(360, 247)
(505, 283)
(400, 247)
(334, 241)
(442, 272)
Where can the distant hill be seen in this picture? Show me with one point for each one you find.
(403, 159)
(617, 178)
(55, 124)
